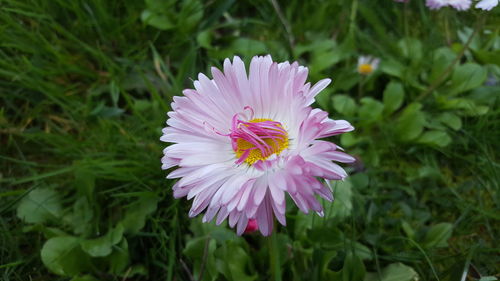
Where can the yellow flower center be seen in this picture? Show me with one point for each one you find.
(260, 139)
(365, 68)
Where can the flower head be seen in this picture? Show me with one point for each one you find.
(367, 64)
(242, 142)
(487, 4)
(460, 5)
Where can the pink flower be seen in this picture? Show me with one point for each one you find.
(251, 226)
(241, 143)
(460, 5)
(487, 4)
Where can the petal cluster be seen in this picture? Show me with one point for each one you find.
(460, 5)
(487, 4)
(267, 111)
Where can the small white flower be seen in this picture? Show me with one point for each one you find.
(367, 64)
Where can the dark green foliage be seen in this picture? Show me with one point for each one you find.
(84, 91)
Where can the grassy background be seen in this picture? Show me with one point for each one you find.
(84, 91)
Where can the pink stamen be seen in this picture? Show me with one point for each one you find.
(255, 133)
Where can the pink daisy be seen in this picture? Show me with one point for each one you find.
(460, 5)
(242, 142)
(487, 5)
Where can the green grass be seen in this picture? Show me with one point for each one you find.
(84, 91)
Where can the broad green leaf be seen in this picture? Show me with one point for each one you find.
(394, 272)
(451, 120)
(64, 256)
(342, 203)
(468, 106)
(349, 139)
(408, 229)
(204, 39)
(360, 180)
(487, 57)
(442, 58)
(411, 48)
(190, 15)
(438, 235)
(195, 247)
(248, 47)
(160, 21)
(135, 216)
(40, 205)
(393, 97)
(392, 67)
(81, 216)
(354, 269)
(344, 104)
(435, 138)
(370, 110)
(119, 258)
(344, 81)
(236, 269)
(102, 246)
(411, 122)
(466, 77)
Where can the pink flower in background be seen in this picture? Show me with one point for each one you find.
(487, 4)
(242, 142)
(460, 5)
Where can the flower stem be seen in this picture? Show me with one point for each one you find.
(274, 257)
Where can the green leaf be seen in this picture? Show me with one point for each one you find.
(435, 138)
(442, 58)
(135, 216)
(64, 256)
(466, 77)
(394, 272)
(160, 21)
(40, 205)
(393, 97)
(392, 67)
(349, 139)
(81, 217)
(411, 122)
(248, 47)
(411, 48)
(102, 246)
(468, 106)
(370, 110)
(438, 235)
(204, 39)
(354, 269)
(344, 104)
(236, 269)
(451, 120)
(119, 258)
(360, 180)
(342, 203)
